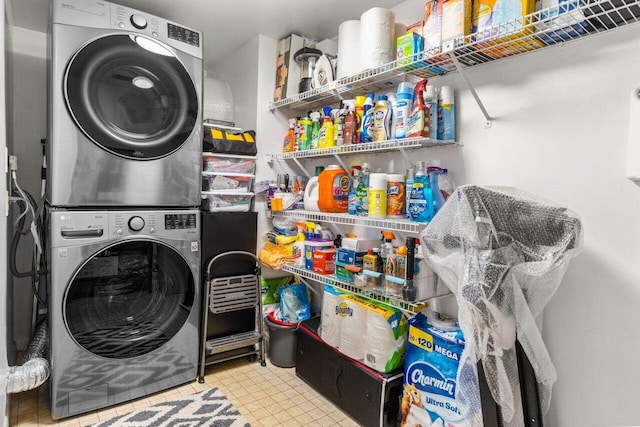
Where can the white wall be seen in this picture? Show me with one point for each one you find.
(4, 363)
(560, 131)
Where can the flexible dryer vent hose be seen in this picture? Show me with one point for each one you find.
(35, 369)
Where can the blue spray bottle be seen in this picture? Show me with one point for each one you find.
(438, 198)
(421, 199)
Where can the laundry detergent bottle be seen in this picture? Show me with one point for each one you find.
(334, 185)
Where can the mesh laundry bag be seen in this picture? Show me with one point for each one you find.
(503, 252)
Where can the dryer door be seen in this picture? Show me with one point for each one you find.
(129, 299)
(132, 96)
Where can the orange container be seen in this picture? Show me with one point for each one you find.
(333, 190)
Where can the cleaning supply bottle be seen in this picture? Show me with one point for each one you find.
(377, 195)
(431, 101)
(315, 130)
(289, 142)
(338, 124)
(298, 250)
(334, 185)
(405, 103)
(359, 111)
(421, 200)
(381, 120)
(446, 115)
(304, 137)
(350, 123)
(418, 122)
(369, 261)
(438, 198)
(325, 137)
(362, 192)
(393, 102)
(386, 251)
(367, 119)
(411, 173)
(353, 192)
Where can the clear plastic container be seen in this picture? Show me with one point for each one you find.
(228, 163)
(220, 201)
(228, 182)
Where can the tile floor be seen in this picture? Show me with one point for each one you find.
(265, 396)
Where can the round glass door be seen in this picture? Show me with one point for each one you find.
(131, 95)
(129, 299)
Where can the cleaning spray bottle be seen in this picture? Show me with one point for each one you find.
(315, 129)
(325, 137)
(290, 139)
(353, 192)
(431, 101)
(446, 115)
(362, 192)
(418, 122)
(366, 128)
(405, 102)
(298, 246)
(393, 102)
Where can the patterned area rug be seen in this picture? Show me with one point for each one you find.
(208, 408)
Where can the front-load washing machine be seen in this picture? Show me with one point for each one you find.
(124, 305)
(124, 108)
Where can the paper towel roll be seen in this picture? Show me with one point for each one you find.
(383, 352)
(377, 32)
(348, 49)
(354, 327)
(331, 318)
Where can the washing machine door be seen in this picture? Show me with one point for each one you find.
(131, 96)
(129, 299)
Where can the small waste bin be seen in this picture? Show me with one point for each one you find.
(282, 342)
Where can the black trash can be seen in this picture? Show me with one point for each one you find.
(282, 342)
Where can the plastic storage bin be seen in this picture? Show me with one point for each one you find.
(228, 163)
(282, 342)
(221, 201)
(230, 182)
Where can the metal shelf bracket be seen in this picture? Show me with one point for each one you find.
(487, 117)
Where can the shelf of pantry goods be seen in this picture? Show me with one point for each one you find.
(370, 293)
(399, 225)
(549, 27)
(369, 147)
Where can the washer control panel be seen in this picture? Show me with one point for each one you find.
(181, 221)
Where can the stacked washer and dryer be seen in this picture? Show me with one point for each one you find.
(123, 191)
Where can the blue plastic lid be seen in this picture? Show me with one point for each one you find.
(327, 111)
(405, 88)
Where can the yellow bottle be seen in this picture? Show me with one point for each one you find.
(325, 137)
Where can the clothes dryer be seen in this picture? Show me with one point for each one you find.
(124, 108)
(124, 305)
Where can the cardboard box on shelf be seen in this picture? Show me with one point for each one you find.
(287, 69)
(456, 23)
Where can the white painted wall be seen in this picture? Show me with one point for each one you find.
(560, 131)
(4, 362)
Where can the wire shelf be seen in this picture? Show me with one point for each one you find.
(373, 294)
(370, 147)
(572, 20)
(399, 225)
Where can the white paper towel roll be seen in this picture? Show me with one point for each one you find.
(331, 318)
(348, 49)
(380, 344)
(377, 32)
(354, 328)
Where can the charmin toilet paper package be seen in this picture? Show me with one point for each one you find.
(432, 375)
(331, 316)
(354, 326)
(385, 337)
